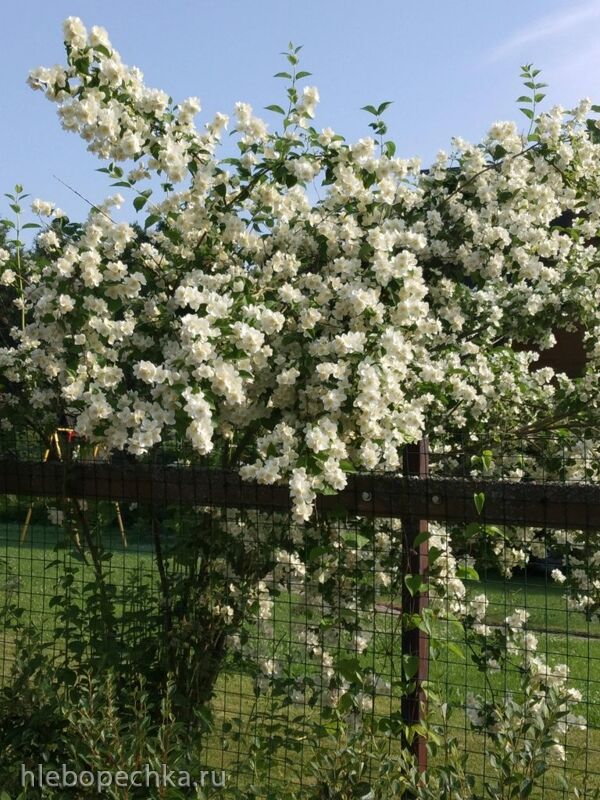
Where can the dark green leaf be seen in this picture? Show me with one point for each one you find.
(411, 666)
(99, 48)
(479, 500)
(383, 107)
(349, 668)
(415, 584)
(151, 220)
(277, 109)
(420, 538)
(467, 573)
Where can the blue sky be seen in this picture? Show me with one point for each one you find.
(450, 66)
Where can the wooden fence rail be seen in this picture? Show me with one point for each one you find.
(438, 499)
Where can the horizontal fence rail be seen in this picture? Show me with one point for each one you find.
(443, 499)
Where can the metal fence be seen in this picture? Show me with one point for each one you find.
(184, 573)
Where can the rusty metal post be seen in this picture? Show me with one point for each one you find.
(415, 562)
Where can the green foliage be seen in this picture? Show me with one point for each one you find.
(531, 100)
(97, 724)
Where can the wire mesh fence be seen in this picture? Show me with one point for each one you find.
(434, 631)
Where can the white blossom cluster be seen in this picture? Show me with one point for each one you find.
(543, 703)
(309, 338)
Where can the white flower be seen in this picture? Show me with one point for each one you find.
(74, 32)
(65, 303)
(558, 576)
(308, 101)
(99, 37)
(42, 207)
(8, 277)
(557, 752)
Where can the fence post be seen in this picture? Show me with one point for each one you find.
(415, 562)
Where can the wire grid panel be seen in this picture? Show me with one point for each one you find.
(281, 637)
(517, 614)
(287, 643)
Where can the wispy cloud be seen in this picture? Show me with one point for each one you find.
(546, 27)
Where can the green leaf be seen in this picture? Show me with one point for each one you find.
(411, 666)
(525, 788)
(415, 584)
(370, 110)
(277, 109)
(151, 220)
(139, 202)
(31, 225)
(302, 74)
(433, 555)
(486, 459)
(528, 112)
(524, 99)
(383, 107)
(349, 668)
(479, 500)
(454, 648)
(539, 97)
(283, 75)
(346, 703)
(100, 48)
(467, 574)
(420, 538)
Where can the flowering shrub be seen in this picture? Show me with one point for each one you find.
(299, 340)
(302, 339)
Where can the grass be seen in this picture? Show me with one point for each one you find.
(34, 566)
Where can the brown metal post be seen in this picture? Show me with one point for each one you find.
(415, 561)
